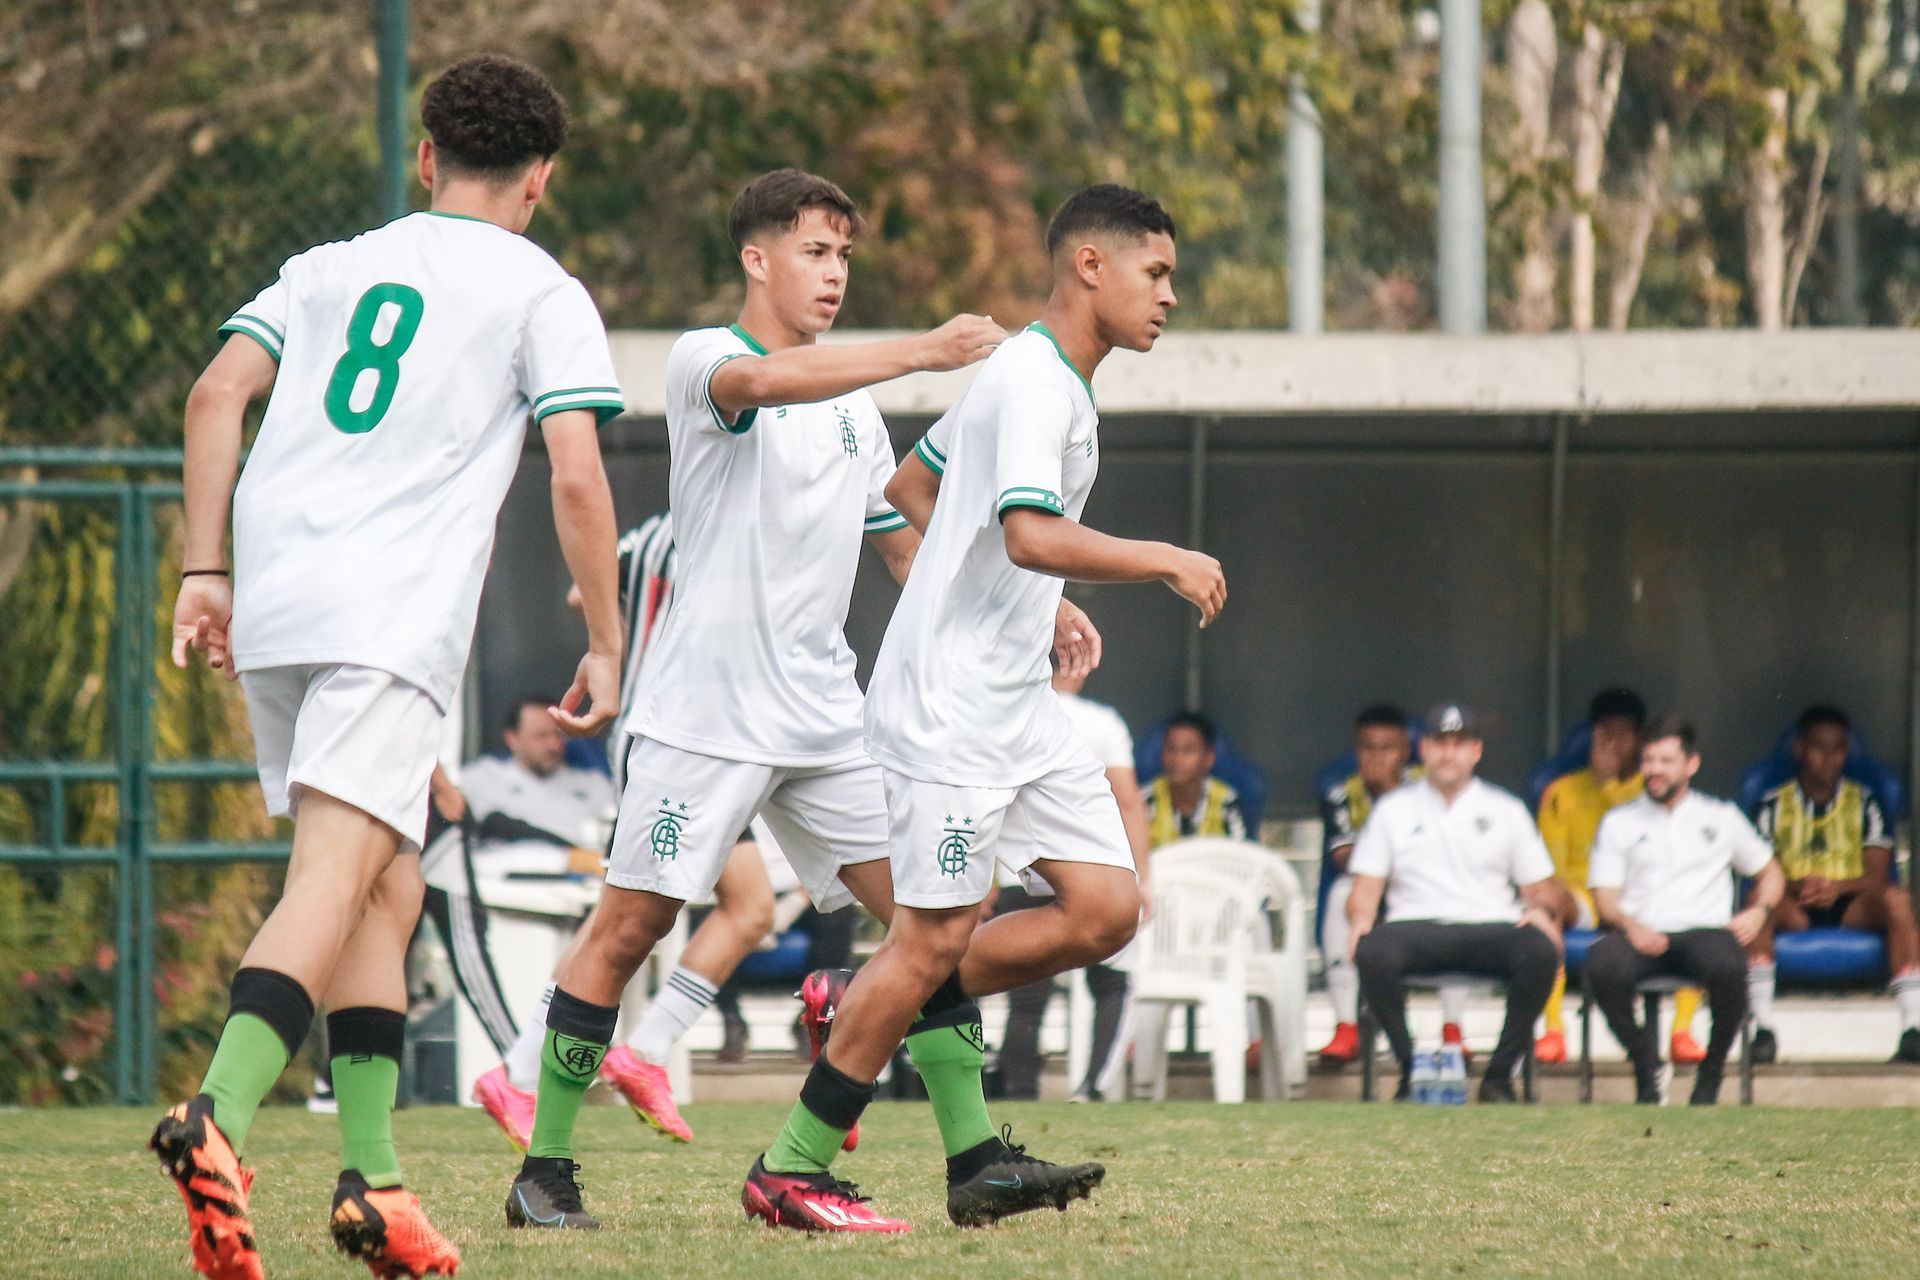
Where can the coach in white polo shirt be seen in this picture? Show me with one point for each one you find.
(1662, 877)
(1469, 888)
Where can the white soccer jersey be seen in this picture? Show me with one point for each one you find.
(1457, 863)
(410, 359)
(769, 511)
(961, 689)
(1674, 867)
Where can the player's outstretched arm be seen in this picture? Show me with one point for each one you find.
(807, 375)
(583, 518)
(1055, 544)
(241, 373)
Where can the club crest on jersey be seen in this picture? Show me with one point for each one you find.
(1483, 824)
(848, 440)
(954, 848)
(665, 833)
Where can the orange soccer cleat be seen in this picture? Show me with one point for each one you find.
(1343, 1048)
(388, 1230)
(1551, 1048)
(1685, 1050)
(203, 1164)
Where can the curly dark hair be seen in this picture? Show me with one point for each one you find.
(490, 116)
(1106, 208)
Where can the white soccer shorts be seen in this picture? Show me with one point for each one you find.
(364, 737)
(945, 839)
(681, 814)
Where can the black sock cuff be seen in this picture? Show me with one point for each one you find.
(966, 1014)
(947, 995)
(833, 1096)
(571, 1016)
(277, 1000)
(366, 1032)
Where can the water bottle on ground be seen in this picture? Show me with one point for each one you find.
(1451, 1084)
(1426, 1077)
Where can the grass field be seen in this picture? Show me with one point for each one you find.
(1193, 1189)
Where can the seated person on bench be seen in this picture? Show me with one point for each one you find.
(1469, 889)
(1834, 844)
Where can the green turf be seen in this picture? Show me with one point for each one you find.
(1193, 1189)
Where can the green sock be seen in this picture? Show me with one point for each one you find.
(950, 1060)
(807, 1144)
(567, 1067)
(366, 1085)
(249, 1059)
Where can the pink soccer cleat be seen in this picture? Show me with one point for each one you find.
(646, 1090)
(510, 1106)
(811, 1202)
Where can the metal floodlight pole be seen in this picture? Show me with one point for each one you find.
(393, 24)
(1463, 200)
(1306, 199)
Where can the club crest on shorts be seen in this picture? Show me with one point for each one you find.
(952, 852)
(665, 833)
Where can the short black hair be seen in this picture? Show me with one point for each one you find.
(1671, 726)
(491, 116)
(1199, 722)
(1818, 714)
(774, 202)
(1617, 703)
(1107, 208)
(510, 723)
(1381, 715)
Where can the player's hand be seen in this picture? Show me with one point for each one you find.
(1647, 942)
(597, 683)
(447, 799)
(1075, 642)
(203, 620)
(1818, 891)
(1543, 920)
(960, 342)
(1746, 926)
(1197, 577)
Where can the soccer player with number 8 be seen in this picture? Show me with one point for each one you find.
(403, 366)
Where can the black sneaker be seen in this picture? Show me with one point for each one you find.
(1646, 1087)
(1706, 1089)
(1013, 1182)
(1765, 1047)
(1404, 1091)
(1497, 1089)
(1909, 1050)
(545, 1195)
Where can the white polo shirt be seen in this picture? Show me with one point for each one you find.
(1674, 868)
(1458, 863)
(570, 803)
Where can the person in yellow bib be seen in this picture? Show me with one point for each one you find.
(1570, 813)
(1834, 843)
(1186, 799)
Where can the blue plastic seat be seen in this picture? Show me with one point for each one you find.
(786, 962)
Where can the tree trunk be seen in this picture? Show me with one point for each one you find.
(1846, 169)
(1531, 58)
(1809, 234)
(1625, 284)
(1597, 69)
(1766, 217)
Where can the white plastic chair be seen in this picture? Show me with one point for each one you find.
(1278, 970)
(1197, 950)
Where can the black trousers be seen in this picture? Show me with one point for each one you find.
(1027, 1008)
(1712, 958)
(1524, 959)
(462, 924)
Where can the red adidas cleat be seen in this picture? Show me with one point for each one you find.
(214, 1184)
(388, 1230)
(819, 996)
(510, 1106)
(1551, 1048)
(647, 1091)
(1343, 1048)
(1685, 1050)
(811, 1202)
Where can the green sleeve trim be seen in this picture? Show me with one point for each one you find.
(1029, 496)
(935, 460)
(885, 522)
(592, 393)
(744, 423)
(604, 411)
(259, 330)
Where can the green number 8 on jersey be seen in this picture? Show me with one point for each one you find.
(363, 356)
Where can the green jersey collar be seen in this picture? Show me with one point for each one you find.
(1043, 331)
(752, 343)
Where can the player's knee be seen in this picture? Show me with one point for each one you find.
(400, 891)
(624, 938)
(1375, 956)
(1535, 950)
(1112, 926)
(752, 919)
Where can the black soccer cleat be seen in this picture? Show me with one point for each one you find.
(545, 1195)
(1765, 1047)
(1015, 1182)
(1909, 1050)
(1706, 1089)
(1496, 1090)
